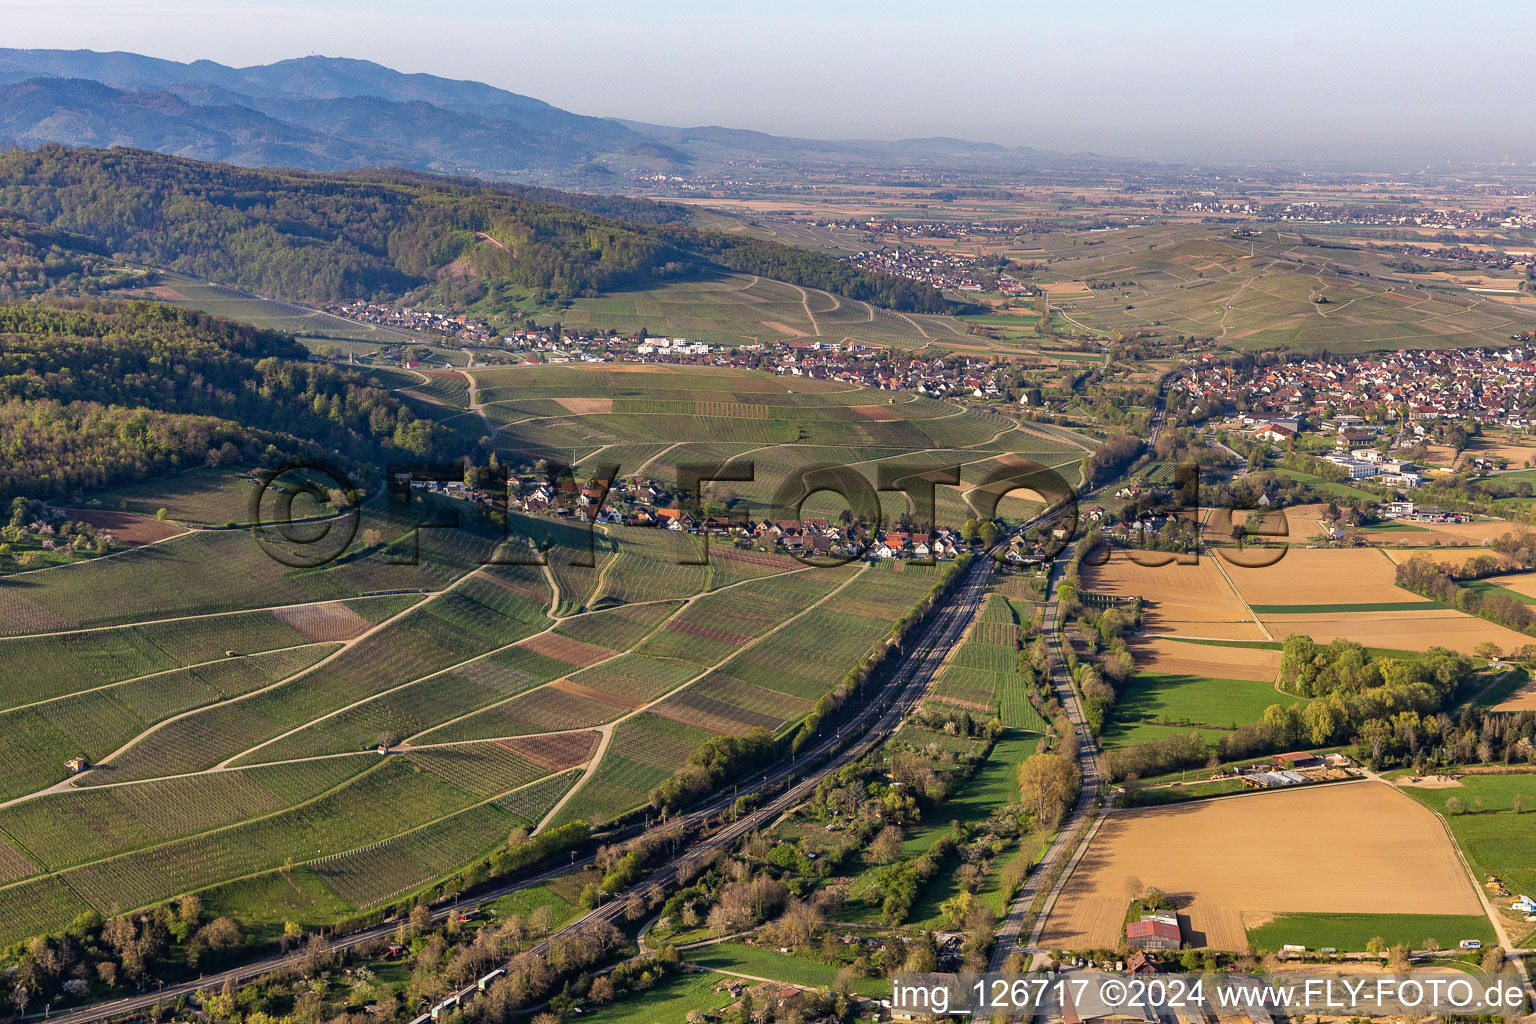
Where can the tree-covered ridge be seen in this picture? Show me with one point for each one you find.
(320, 238)
(98, 394)
(37, 260)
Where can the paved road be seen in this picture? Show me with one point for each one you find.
(1088, 763)
(1064, 847)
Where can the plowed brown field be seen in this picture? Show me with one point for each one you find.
(1192, 600)
(1321, 576)
(1173, 657)
(1227, 861)
(1401, 630)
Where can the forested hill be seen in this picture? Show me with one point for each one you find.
(319, 238)
(94, 394)
(37, 260)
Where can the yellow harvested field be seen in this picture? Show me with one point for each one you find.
(1067, 288)
(1416, 630)
(587, 406)
(1230, 862)
(1190, 600)
(1457, 556)
(1519, 582)
(1517, 454)
(1480, 531)
(1307, 514)
(1429, 537)
(1321, 576)
(1440, 454)
(1175, 657)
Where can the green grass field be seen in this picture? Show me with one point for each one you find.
(1152, 796)
(994, 785)
(669, 1002)
(1153, 706)
(1339, 609)
(1353, 932)
(765, 963)
(1486, 589)
(1493, 837)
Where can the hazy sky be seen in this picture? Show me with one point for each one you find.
(1405, 80)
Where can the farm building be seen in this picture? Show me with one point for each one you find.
(1154, 931)
(1298, 759)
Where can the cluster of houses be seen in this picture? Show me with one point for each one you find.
(460, 328)
(631, 502)
(941, 268)
(849, 362)
(936, 378)
(937, 228)
(814, 537)
(1443, 218)
(1412, 388)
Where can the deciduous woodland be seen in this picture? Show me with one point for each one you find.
(317, 238)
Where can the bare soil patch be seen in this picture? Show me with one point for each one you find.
(1430, 782)
(1321, 576)
(1520, 582)
(556, 753)
(1229, 861)
(128, 528)
(1410, 630)
(1523, 699)
(1175, 658)
(878, 413)
(1192, 600)
(324, 622)
(598, 696)
(586, 406)
(566, 649)
(1479, 532)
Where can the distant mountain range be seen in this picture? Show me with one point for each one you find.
(329, 113)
